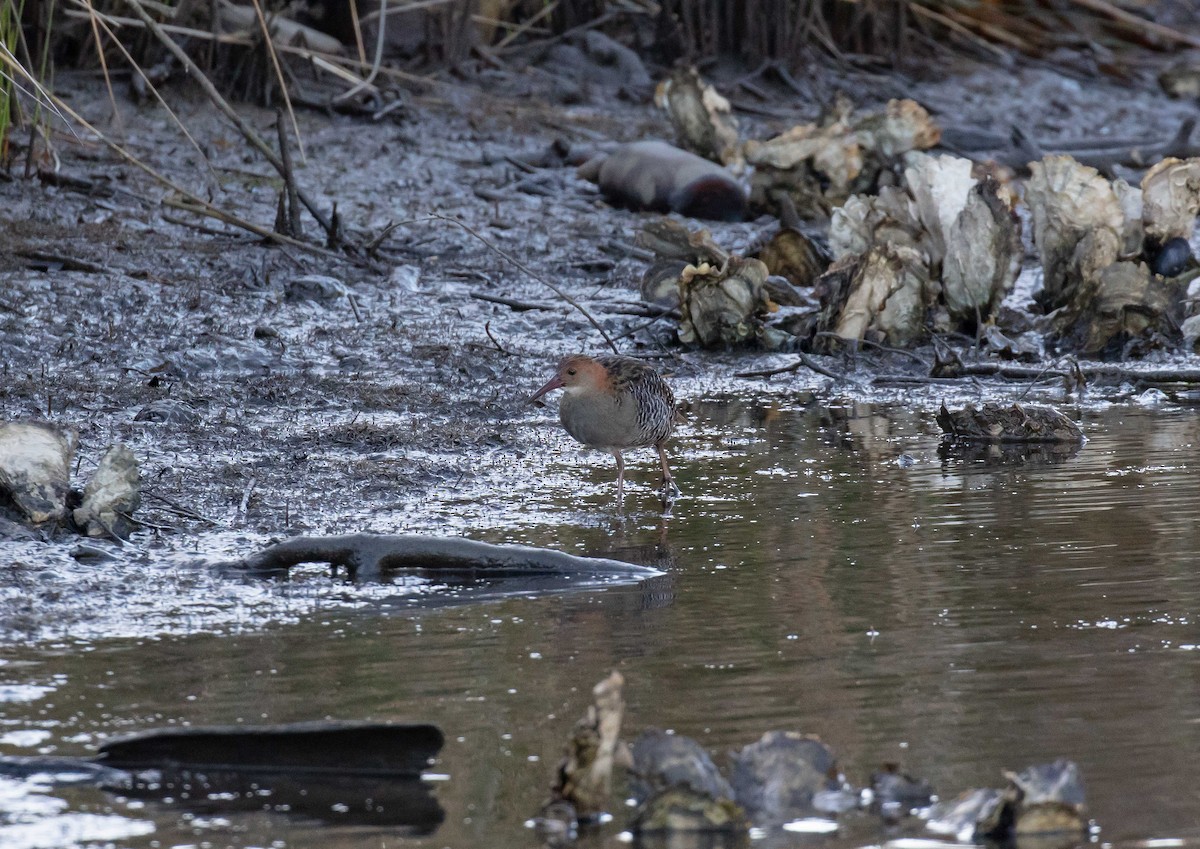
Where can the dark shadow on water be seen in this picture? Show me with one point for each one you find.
(996, 454)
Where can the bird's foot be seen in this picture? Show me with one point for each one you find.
(669, 491)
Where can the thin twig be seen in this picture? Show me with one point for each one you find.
(640, 327)
(1145, 27)
(131, 518)
(434, 216)
(68, 263)
(246, 494)
(487, 328)
(179, 509)
(901, 351)
(112, 97)
(518, 31)
(372, 247)
(98, 20)
(380, 38)
(194, 203)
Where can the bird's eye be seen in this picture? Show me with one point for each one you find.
(571, 371)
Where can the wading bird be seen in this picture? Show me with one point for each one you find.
(615, 403)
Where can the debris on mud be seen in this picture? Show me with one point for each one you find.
(1095, 240)
(657, 176)
(35, 470)
(703, 119)
(995, 423)
(938, 254)
(111, 496)
(679, 809)
(723, 306)
(895, 794)
(819, 166)
(726, 300)
(662, 760)
(779, 777)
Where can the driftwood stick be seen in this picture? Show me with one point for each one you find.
(512, 303)
(189, 202)
(68, 263)
(487, 328)
(1102, 371)
(369, 555)
(888, 349)
(178, 509)
(804, 361)
(294, 228)
(642, 310)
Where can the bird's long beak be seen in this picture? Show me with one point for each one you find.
(555, 382)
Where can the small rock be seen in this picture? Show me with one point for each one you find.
(35, 468)
(88, 553)
(662, 760)
(959, 817)
(406, 278)
(1191, 332)
(681, 809)
(167, 411)
(1173, 258)
(896, 794)
(315, 287)
(111, 496)
(776, 779)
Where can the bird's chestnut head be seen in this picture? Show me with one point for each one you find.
(576, 373)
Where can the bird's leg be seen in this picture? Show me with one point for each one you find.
(670, 490)
(620, 476)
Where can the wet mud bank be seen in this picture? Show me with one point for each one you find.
(269, 391)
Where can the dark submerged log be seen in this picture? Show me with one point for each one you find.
(307, 770)
(350, 748)
(367, 556)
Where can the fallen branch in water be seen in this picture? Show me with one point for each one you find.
(367, 556)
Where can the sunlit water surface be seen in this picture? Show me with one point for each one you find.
(828, 572)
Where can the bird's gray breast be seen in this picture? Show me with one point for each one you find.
(601, 421)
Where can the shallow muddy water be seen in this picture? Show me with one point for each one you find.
(827, 571)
